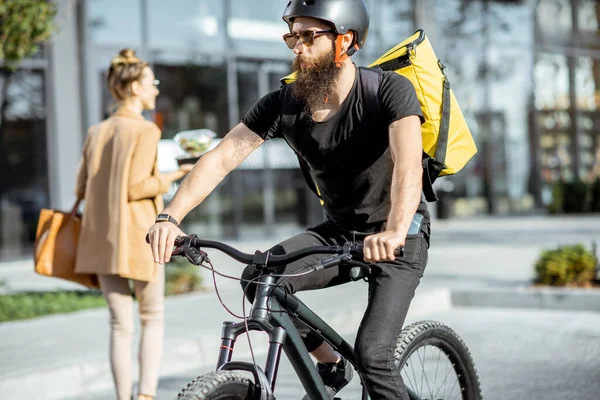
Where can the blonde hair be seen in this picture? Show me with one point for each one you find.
(125, 68)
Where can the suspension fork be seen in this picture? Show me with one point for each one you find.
(258, 321)
(227, 343)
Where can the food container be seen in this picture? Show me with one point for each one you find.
(194, 143)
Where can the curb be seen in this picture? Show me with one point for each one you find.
(184, 354)
(540, 298)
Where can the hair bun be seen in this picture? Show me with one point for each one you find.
(126, 56)
(130, 55)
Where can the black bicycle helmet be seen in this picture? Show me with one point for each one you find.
(344, 15)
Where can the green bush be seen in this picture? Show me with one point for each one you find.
(182, 277)
(558, 194)
(35, 304)
(566, 265)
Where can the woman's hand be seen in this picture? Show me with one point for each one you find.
(186, 168)
(162, 237)
(183, 170)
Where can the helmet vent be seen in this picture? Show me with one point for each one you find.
(309, 2)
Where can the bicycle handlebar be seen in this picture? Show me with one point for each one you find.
(192, 241)
(274, 260)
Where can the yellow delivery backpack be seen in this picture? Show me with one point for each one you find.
(447, 141)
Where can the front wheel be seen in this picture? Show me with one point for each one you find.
(220, 385)
(435, 363)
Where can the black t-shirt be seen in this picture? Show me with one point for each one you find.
(348, 154)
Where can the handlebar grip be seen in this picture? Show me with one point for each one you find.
(178, 239)
(358, 250)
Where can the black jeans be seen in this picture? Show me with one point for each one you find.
(391, 289)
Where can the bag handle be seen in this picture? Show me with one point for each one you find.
(75, 208)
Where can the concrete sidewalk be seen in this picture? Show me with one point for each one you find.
(65, 355)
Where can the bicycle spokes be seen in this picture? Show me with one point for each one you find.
(431, 375)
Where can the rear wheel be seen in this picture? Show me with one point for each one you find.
(435, 363)
(220, 385)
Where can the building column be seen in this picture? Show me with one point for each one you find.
(64, 109)
(572, 65)
(424, 18)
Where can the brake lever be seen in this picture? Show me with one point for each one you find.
(194, 255)
(178, 251)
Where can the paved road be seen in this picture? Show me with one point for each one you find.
(487, 253)
(520, 354)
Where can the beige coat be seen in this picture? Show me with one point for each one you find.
(119, 180)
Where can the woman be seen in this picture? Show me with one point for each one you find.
(118, 178)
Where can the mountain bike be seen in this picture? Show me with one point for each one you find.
(421, 349)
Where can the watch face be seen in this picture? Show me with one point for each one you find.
(167, 218)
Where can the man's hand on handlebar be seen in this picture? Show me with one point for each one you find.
(161, 237)
(382, 246)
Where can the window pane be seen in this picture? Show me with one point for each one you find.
(186, 25)
(588, 16)
(23, 162)
(556, 145)
(256, 29)
(115, 22)
(191, 97)
(587, 83)
(268, 10)
(554, 17)
(552, 82)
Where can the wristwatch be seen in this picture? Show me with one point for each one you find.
(167, 218)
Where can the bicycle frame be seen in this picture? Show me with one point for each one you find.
(269, 314)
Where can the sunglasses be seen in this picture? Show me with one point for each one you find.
(305, 37)
(155, 83)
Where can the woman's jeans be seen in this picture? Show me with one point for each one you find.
(150, 296)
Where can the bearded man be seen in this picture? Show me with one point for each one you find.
(368, 172)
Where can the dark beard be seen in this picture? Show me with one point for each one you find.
(317, 82)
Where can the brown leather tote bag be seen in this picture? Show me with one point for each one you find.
(55, 248)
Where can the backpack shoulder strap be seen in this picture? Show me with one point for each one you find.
(435, 165)
(289, 116)
(442, 142)
(370, 80)
(288, 109)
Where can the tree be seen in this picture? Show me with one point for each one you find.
(24, 25)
